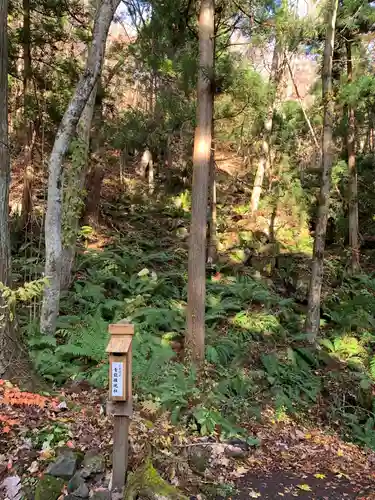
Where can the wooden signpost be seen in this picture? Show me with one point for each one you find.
(120, 402)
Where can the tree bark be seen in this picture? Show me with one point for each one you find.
(95, 175)
(27, 194)
(353, 187)
(73, 192)
(195, 335)
(14, 361)
(4, 150)
(51, 299)
(212, 223)
(74, 182)
(313, 311)
(267, 129)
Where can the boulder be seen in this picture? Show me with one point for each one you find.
(49, 488)
(64, 467)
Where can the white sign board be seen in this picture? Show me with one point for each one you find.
(117, 379)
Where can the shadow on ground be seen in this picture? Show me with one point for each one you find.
(289, 485)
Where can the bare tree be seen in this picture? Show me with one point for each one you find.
(195, 336)
(267, 128)
(313, 312)
(51, 299)
(353, 187)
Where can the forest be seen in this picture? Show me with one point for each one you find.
(203, 170)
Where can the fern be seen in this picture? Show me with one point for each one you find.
(372, 367)
(43, 341)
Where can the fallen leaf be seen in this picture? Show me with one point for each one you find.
(320, 476)
(340, 453)
(254, 494)
(34, 467)
(304, 487)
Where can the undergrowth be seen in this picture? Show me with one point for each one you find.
(255, 351)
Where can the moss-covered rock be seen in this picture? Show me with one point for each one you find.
(49, 488)
(146, 482)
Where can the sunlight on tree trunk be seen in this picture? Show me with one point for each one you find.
(267, 129)
(51, 298)
(313, 312)
(353, 188)
(195, 335)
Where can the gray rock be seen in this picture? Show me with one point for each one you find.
(75, 482)
(81, 492)
(64, 466)
(78, 487)
(93, 463)
(101, 495)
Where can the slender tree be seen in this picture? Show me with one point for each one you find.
(14, 361)
(267, 127)
(51, 299)
(27, 125)
(74, 183)
(313, 312)
(5, 271)
(353, 188)
(195, 336)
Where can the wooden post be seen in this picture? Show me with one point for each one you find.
(120, 401)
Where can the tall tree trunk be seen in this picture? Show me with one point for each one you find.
(267, 128)
(51, 299)
(74, 179)
(95, 175)
(313, 311)
(8, 347)
(73, 191)
(14, 361)
(5, 271)
(353, 188)
(212, 222)
(195, 335)
(28, 128)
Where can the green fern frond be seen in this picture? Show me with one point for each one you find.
(372, 367)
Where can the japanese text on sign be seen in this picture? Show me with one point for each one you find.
(117, 379)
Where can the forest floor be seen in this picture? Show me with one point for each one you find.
(306, 454)
(292, 461)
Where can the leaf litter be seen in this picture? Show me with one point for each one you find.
(289, 462)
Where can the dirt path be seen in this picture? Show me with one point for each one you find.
(288, 485)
